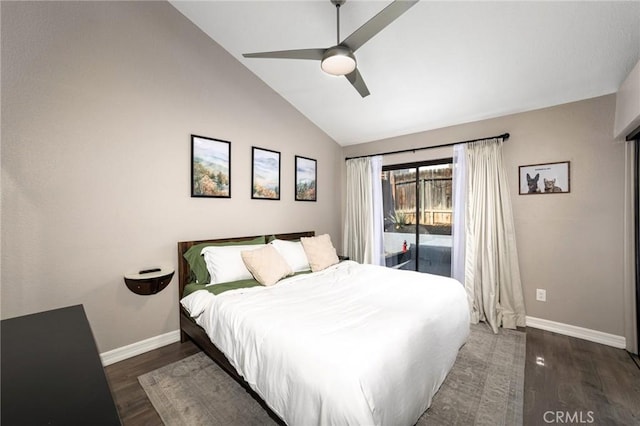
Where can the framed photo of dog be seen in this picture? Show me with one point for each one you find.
(550, 178)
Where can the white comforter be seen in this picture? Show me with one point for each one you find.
(351, 345)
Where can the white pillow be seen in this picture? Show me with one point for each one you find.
(196, 302)
(225, 264)
(320, 252)
(266, 264)
(293, 253)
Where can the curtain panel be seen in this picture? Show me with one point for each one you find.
(491, 273)
(363, 233)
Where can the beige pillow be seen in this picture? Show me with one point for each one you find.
(266, 265)
(320, 252)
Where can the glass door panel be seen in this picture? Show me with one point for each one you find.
(435, 215)
(399, 209)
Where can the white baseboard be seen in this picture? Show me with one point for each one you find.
(579, 332)
(120, 354)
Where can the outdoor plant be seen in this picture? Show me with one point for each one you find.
(399, 219)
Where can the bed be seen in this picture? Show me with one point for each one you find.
(350, 344)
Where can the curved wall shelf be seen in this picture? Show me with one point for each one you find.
(151, 282)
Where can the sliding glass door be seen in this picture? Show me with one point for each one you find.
(418, 216)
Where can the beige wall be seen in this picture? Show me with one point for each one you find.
(569, 244)
(98, 104)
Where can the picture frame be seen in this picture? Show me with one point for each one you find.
(547, 178)
(210, 167)
(265, 174)
(306, 178)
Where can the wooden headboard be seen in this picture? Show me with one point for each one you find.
(184, 271)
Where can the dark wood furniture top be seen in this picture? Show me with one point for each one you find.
(52, 373)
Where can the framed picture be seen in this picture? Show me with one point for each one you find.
(210, 167)
(265, 174)
(550, 178)
(306, 179)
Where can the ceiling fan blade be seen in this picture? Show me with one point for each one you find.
(376, 24)
(356, 80)
(314, 54)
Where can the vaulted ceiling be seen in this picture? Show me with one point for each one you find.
(439, 64)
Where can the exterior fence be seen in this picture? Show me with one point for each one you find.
(427, 216)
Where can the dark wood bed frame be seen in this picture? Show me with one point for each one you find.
(189, 330)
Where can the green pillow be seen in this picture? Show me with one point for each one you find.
(199, 272)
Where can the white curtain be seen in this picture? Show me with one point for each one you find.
(459, 211)
(491, 270)
(363, 233)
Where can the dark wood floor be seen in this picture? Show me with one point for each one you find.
(579, 382)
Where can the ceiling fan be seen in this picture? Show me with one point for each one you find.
(340, 59)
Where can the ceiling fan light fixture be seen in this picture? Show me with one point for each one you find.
(338, 60)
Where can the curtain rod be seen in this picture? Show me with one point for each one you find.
(504, 136)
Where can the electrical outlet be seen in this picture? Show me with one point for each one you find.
(541, 295)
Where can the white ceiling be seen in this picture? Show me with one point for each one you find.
(439, 64)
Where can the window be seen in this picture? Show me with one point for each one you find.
(418, 216)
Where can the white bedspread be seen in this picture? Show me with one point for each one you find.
(351, 345)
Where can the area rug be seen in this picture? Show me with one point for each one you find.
(484, 387)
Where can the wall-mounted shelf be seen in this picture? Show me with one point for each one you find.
(150, 282)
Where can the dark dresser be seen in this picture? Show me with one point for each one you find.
(51, 372)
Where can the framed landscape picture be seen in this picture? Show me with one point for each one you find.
(210, 167)
(550, 178)
(265, 174)
(306, 179)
